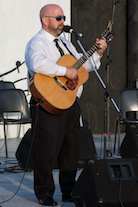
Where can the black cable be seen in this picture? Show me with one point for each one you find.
(120, 190)
(120, 186)
(19, 80)
(12, 168)
(27, 161)
(17, 68)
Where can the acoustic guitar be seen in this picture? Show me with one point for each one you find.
(56, 94)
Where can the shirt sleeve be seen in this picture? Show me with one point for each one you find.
(37, 61)
(95, 59)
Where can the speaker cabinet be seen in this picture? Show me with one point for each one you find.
(87, 149)
(23, 154)
(129, 146)
(108, 183)
(87, 146)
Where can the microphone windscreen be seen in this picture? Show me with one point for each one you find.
(67, 28)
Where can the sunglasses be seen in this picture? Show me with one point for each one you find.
(58, 18)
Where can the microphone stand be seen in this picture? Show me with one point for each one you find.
(107, 98)
(101, 81)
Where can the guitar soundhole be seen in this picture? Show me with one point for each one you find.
(71, 84)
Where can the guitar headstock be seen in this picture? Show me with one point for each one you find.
(107, 35)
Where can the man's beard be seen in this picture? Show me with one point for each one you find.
(59, 31)
(56, 32)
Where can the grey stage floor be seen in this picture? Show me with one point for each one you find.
(16, 187)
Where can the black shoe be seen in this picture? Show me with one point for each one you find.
(48, 201)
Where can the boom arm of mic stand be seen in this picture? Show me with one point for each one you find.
(103, 84)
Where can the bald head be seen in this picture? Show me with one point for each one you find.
(49, 10)
(50, 22)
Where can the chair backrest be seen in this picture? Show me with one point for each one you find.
(128, 103)
(14, 100)
(6, 85)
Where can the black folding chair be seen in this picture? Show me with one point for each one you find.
(13, 101)
(128, 104)
(6, 85)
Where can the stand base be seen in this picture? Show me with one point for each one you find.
(108, 153)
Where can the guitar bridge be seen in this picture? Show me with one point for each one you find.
(60, 83)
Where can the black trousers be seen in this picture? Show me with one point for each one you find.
(56, 137)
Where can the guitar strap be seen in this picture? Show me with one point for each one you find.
(29, 75)
(67, 47)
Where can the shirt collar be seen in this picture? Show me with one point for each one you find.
(48, 35)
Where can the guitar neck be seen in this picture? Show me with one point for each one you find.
(107, 36)
(83, 59)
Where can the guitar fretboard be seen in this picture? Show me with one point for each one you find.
(107, 36)
(83, 59)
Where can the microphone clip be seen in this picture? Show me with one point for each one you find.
(69, 29)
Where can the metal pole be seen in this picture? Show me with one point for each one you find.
(107, 116)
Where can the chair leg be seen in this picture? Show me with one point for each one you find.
(118, 137)
(5, 138)
(115, 134)
(19, 131)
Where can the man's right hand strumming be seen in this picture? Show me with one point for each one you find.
(71, 73)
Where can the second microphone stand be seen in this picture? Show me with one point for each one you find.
(107, 97)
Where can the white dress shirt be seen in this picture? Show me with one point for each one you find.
(41, 56)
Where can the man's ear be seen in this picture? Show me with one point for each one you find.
(45, 20)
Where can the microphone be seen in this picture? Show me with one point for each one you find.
(69, 29)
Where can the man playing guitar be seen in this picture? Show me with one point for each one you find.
(56, 135)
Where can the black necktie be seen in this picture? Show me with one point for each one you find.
(59, 48)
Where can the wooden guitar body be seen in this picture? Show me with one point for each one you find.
(56, 94)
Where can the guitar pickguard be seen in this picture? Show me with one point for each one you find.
(72, 84)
